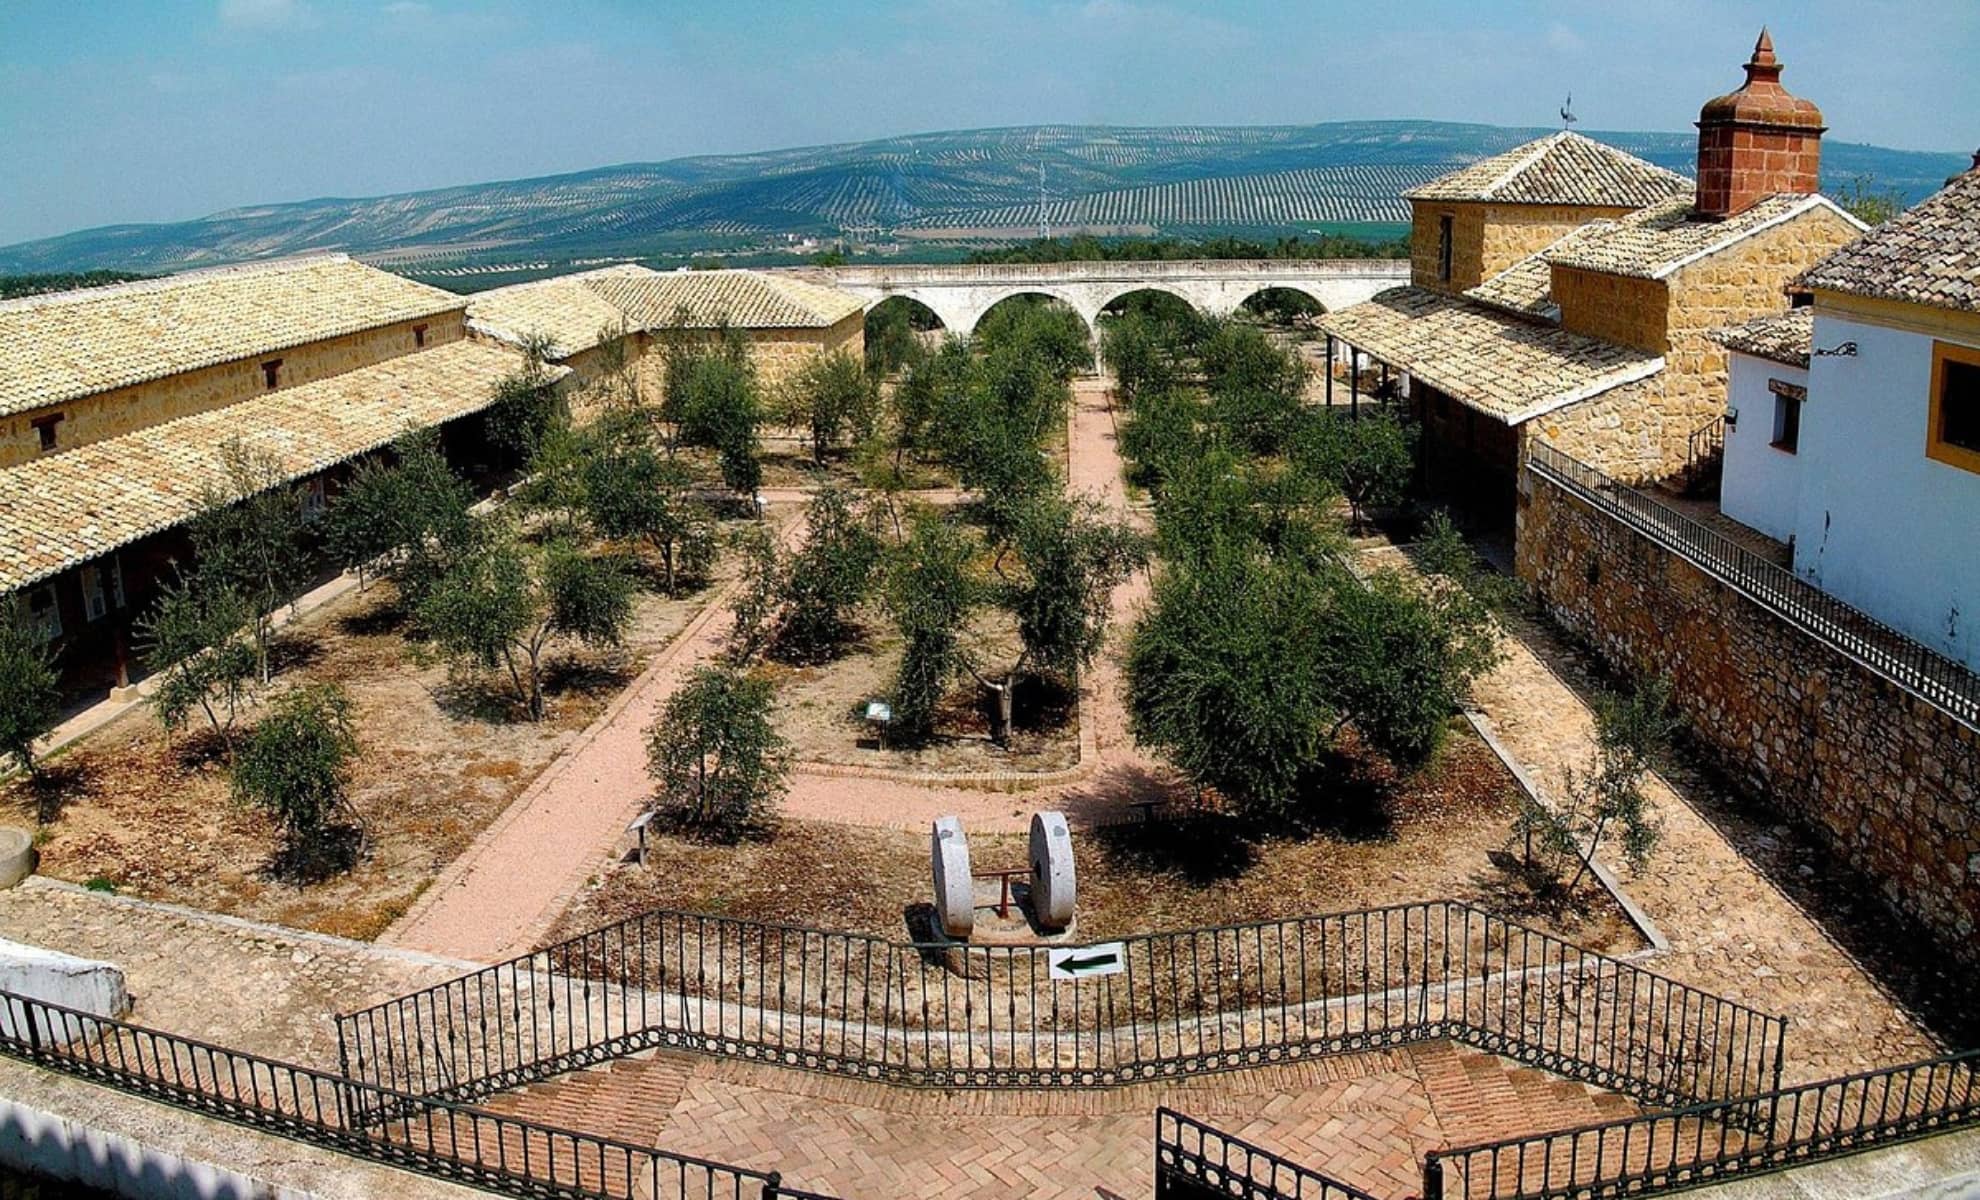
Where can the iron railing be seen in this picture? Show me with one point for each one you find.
(1194, 1161)
(950, 1015)
(432, 1137)
(1940, 681)
(1700, 1144)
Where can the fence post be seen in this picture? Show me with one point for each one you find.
(773, 1185)
(1433, 1177)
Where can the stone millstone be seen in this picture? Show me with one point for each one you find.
(1053, 887)
(955, 900)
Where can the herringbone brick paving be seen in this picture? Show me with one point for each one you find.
(1365, 1118)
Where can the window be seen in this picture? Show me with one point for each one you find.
(44, 428)
(419, 336)
(1445, 225)
(1954, 434)
(116, 581)
(1787, 418)
(96, 603)
(271, 373)
(312, 499)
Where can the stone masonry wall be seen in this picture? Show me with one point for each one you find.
(1620, 432)
(1487, 238)
(111, 414)
(1615, 308)
(1889, 782)
(1731, 288)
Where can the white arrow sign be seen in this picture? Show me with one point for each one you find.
(1087, 962)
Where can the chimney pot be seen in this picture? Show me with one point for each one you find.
(1758, 141)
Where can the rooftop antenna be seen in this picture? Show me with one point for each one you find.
(1567, 112)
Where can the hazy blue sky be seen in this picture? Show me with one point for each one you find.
(116, 111)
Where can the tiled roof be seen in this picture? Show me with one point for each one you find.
(1526, 288)
(1929, 254)
(1783, 336)
(66, 509)
(572, 309)
(567, 310)
(1658, 241)
(67, 344)
(748, 299)
(1565, 168)
(1501, 365)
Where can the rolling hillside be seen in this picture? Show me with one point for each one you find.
(980, 184)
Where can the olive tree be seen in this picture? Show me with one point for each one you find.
(195, 641)
(828, 577)
(929, 591)
(833, 398)
(503, 608)
(250, 539)
(1369, 459)
(717, 762)
(1605, 797)
(29, 697)
(408, 517)
(296, 765)
(525, 406)
(631, 490)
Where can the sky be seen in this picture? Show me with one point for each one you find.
(152, 110)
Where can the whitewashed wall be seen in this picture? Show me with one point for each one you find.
(1762, 485)
(1879, 524)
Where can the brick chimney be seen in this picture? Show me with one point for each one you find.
(1758, 141)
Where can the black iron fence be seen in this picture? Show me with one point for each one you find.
(1194, 1161)
(432, 1137)
(1685, 1147)
(1178, 1003)
(1946, 684)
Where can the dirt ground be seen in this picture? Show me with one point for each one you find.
(441, 756)
(1445, 835)
(821, 707)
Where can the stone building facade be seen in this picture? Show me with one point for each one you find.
(119, 405)
(615, 321)
(1585, 283)
(1486, 238)
(1890, 782)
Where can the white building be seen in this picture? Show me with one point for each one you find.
(1853, 425)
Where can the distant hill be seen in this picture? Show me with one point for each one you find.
(934, 188)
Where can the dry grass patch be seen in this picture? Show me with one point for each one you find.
(440, 757)
(820, 708)
(1444, 837)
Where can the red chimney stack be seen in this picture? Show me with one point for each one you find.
(1758, 141)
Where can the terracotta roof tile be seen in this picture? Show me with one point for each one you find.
(750, 299)
(66, 509)
(572, 309)
(1657, 241)
(1501, 365)
(566, 309)
(60, 346)
(1929, 254)
(1783, 337)
(1565, 168)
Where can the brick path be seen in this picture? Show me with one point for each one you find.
(1365, 1119)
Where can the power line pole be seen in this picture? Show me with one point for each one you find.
(1044, 226)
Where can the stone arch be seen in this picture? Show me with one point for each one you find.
(916, 304)
(1128, 289)
(1087, 315)
(1307, 290)
(948, 308)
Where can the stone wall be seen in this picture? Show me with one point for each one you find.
(1487, 238)
(1730, 288)
(124, 410)
(1620, 432)
(1889, 782)
(1616, 308)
